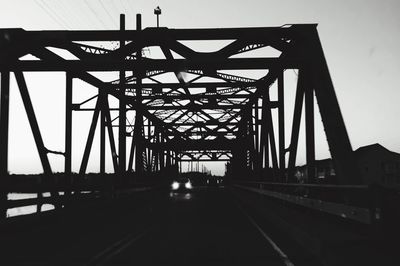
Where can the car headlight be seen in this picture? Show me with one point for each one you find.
(175, 185)
(188, 185)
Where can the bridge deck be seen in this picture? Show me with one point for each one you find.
(206, 227)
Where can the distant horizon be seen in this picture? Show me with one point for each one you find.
(297, 165)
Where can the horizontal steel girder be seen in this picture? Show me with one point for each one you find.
(57, 36)
(236, 84)
(150, 64)
(183, 108)
(216, 144)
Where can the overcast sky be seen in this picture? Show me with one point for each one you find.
(360, 39)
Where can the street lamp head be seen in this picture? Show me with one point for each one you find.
(157, 11)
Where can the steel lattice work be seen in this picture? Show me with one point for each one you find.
(207, 113)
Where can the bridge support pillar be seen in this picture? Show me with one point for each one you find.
(257, 152)
(269, 140)
(68, 134)
(138, 130)
(102, 96)
(4, 116)
(122, 110)
(310, 139)
(138, 138)
(298, 106)
(264, 144)
(281, 125)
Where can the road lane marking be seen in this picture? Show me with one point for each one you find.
(283, 256)
(115, 249)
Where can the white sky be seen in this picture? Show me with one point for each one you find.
(360, 39)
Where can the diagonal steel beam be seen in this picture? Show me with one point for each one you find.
(110, 134)
(90, 137)
(33, 122)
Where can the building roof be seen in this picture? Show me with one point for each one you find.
(358, 152)
(373, 147)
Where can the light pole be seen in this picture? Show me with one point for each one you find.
(157, 12)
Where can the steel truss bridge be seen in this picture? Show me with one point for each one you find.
(207, 110)
(207, 114)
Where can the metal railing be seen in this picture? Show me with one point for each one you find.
(23, 199)
(353, 202)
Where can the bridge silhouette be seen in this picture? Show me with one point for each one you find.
(260, 215)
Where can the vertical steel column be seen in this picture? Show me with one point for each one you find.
(68, 132)
(298, 106)
(235, 153)
(281, 122)
(102, 96)
(176, 162)
(148, 151)
(111, 135)
(132, 152)
(161, 151)
(252, 145)
(107, 181)
(168, 163)
(173, 162)
(245, 138)
(310, 138)
(271, 137)
(156, 151)
(122, 107)
(138, 137)
(264, 135)
(257, 141)
(4, 115)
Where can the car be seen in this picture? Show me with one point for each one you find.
(214, 182)
(181, 184)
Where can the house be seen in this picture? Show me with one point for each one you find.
(378, 165)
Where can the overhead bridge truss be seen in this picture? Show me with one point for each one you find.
(204, 112)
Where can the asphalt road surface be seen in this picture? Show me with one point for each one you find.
(203, 227)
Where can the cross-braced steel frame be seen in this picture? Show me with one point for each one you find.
(212, 116)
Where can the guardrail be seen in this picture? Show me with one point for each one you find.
(62, 199)
(66, 199)
(353, 202)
